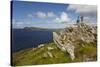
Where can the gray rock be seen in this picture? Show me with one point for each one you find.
(41, 45)
(50, 48)
(67, 38)
(70, 49)
(50, 54)
(47, 54)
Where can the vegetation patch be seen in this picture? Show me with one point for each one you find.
(34, 56)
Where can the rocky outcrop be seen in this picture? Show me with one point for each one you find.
(68, 38)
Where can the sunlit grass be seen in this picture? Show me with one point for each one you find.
(34, 57)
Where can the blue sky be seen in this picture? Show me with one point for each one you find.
(48, 15)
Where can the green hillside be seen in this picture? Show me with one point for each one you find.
(53, 55)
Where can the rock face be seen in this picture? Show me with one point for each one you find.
(67, 39)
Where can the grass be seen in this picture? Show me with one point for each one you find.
(89, 51)
(34, 57)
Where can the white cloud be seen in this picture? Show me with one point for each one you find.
(51, 14)
(84, 10)
(41, 14)
(88, 11)
(20, 24)
(17, 24)
(63, 17)
(88, 20)
(45, 15)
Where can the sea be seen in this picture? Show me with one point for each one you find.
(23, 39)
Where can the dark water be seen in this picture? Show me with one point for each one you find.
(22, 39)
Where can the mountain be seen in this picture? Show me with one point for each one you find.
(38, 28)
(77, 43)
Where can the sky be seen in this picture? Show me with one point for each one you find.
(50, 15)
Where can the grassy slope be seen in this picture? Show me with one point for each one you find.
(30, 56)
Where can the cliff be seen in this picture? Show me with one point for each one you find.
(77, 43)
(68, 38)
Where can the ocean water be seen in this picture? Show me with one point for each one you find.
(23, 39)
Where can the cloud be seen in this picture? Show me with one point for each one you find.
(89, 12)
(20, 24)
(84, 10)
(88, 20)
(17, 24)
(63, 17)
(50, 14)
(41, 14)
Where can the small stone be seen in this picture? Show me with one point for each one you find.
(41, 45)
(50, 48)
(50, 54)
